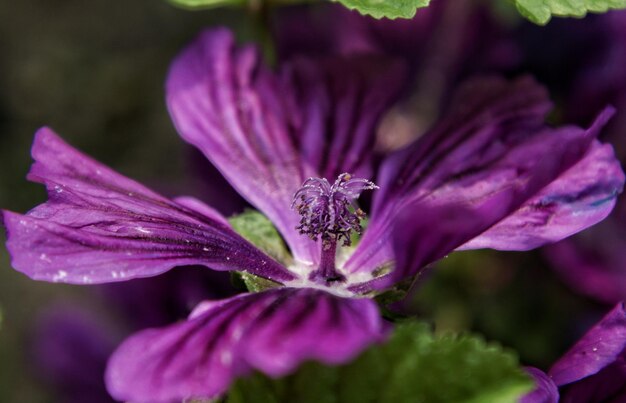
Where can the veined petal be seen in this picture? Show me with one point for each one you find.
(273, 331)
(226, 103)
(267, 132)
(99, 226)
(478, 166)
(340, 102)
(198, 206)
(483, 111)
(579, 198)
(598, 348)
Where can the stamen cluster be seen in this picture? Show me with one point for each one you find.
(330, 212)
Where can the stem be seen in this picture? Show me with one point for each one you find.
(259, 14)
(327, 272)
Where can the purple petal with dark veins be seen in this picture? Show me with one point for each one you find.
(479, 165)
(339, 103)
(99, 226)
(267, 132)
(600, 347)
(229, 105)
(483, 110)
(545, 390)
(272, 331)
(581, 197)
(423, 234)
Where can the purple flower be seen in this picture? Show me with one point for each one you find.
(593, 370)
(489, 174)
(594, 263)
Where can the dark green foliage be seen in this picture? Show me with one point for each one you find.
(414, 366)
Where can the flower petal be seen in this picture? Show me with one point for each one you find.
(273, 331)
(545, 390)
(581, 197)
(598, 348)
(99, 226)
(479, 165)
(608, 385)
(340, 102)
(267, 132)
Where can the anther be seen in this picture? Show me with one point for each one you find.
(330, 212)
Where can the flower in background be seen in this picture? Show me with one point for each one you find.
(594, 263)
(70, 351)
(490, 174)
(71, 345)
(442, 46)
(593, 370)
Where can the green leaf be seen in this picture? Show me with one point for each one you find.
(260, 231)
(414, 366)
(540, 11)
(386, 8)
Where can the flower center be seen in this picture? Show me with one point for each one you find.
(330, 212)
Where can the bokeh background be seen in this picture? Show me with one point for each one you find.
(94, 71)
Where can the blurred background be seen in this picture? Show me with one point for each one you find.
(94, 72)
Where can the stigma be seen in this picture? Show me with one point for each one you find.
(329, 211)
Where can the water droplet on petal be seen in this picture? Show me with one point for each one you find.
(226, 358)
(61, 274)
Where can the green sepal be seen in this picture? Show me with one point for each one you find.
(249, 282)
(415, 365)
(257, 284)
(395, 294)
(259, 230)
(540, 11)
